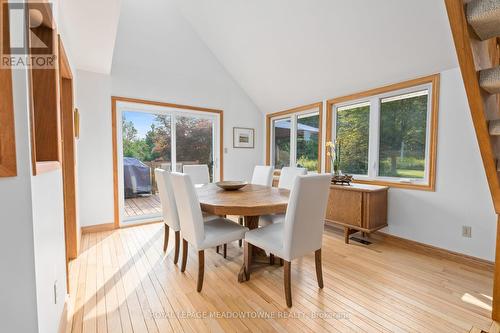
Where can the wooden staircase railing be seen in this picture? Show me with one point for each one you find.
(475, 55)
(475, 26)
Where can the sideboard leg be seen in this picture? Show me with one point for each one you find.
(346, 235)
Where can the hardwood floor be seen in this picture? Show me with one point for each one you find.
(123, 282)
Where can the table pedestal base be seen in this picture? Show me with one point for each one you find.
(258, 256)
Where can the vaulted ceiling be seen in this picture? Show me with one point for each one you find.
(285, 53)
(90, 28)
(289, 52)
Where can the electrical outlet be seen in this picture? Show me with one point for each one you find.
(467, 231)
(55, 292)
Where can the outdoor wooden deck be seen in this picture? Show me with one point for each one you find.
(146, 205)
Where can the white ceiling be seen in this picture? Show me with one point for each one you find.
(285, 53)
(153, 36)
(90, 28)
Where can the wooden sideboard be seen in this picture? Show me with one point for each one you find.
(357, 207)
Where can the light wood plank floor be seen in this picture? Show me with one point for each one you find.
(123, 282)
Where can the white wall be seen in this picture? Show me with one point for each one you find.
(462, 196)
(436, 218)
(50, 252)
(18, 303)
(95, 153)
(159, 57)
(32, 247)
(218, 92)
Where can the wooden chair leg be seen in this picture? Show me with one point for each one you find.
(319, 269)
(184, 254)
(165, 238)
(247, 251)
(217, 249)
(201, 269)
(240, 220)
(288, 287)
(177, 246)
(271, 259)
(225, 250)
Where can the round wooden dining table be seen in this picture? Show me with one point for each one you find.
(251, 202)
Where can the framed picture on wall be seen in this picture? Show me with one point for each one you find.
(243, 137)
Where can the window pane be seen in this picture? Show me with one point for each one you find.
(146, 146)
(352, 135)
(194, 144)
(282, 133)
(403, 121)
(307, 141)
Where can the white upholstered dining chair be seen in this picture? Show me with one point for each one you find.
(262, 175)
(169, 210)
(287, 178)
(201, 235)
(199, 173)
(300, 233)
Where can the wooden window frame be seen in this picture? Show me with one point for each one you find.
(432, 80)
(292, 112)
(8, 164)
(114, 126)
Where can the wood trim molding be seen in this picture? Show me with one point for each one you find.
(8, 164)
(98, 228)
(426, 249)
(116, 192)
(114, 100)
(435, 251)
(66, 106)
(432, 79)
(318, 105)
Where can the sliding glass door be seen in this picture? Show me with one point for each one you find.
(153, 137)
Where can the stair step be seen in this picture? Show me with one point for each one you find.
(484, 17)
(489, 79)
(495, 127)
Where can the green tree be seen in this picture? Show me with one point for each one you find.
(307, 143)
(134, 146)
(403, 135)
(352, 135)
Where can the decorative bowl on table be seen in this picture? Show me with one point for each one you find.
(231, 185)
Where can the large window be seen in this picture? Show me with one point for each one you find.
(295, 137)
(388, 135)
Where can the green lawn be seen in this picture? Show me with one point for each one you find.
(407, 173)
